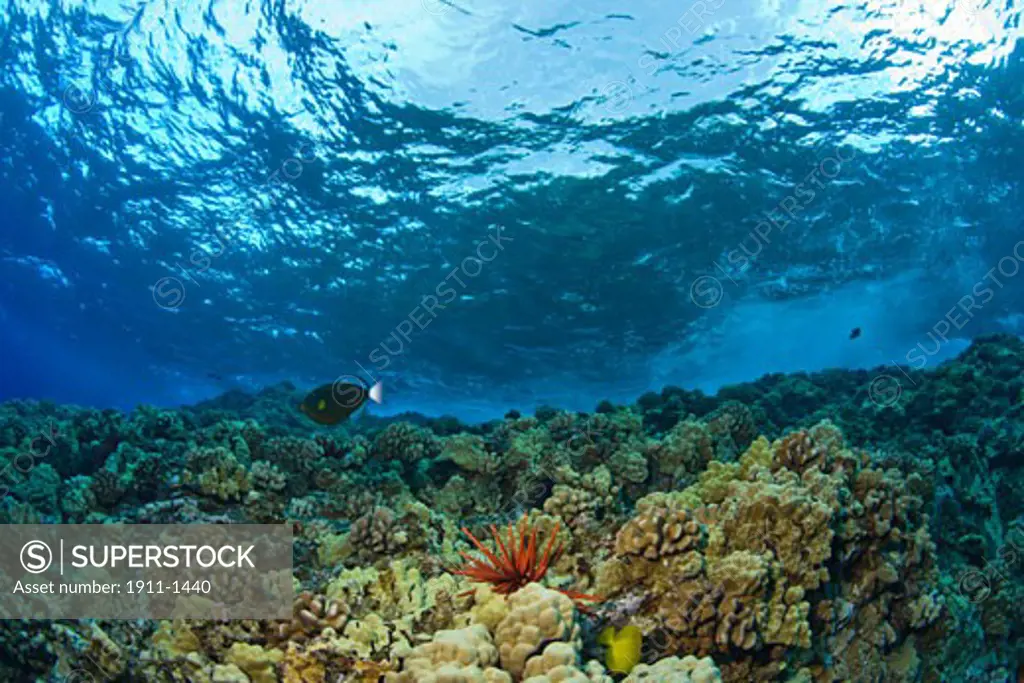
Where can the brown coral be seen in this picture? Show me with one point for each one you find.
(798, 452)
(763, 536)
(659, 531)
(378, 533)
(785, 521)
(574, 506)
(107, 488)
(265, 476)
(303, 456)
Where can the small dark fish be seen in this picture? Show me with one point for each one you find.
(854, 333)
(334, 403)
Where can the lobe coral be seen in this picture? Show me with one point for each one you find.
(518, 564)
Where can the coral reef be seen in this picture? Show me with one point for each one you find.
(796, 528)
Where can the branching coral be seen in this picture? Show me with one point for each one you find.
(301, 456)
(107, 488)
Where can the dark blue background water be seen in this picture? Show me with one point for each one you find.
(198, 196)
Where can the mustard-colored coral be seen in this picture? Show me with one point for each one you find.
(259, 665)
(799, 559)
(784, 520)
(574, 506)
(489, 608)
(659, 531)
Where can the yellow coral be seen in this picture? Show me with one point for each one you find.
(658, 532)
(368, 637)
(714, 482)
(333, 549)
(302, 665)
(489, 607)
(229, 673)
(226, 480)
(759, 454)
(788, 618)
(772, 520)
(259, 665)
(175, 638)
(350, 584)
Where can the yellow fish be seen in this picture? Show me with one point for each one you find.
(623, 648)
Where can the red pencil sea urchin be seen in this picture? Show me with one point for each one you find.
(518, 564)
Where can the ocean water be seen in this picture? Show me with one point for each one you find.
(613, 241)
(206, 196)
